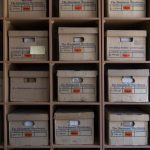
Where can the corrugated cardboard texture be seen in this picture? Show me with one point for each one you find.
(125, 45)
(74, 130)
(126, 8)
(28, 45)
(29, 86)
(127, 127)
(25, 129)
(29, 9)
(74, 86)
(78, 8)
(132, 87)
(78, 43)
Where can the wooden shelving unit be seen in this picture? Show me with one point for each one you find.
(51, 23)
(122, 23)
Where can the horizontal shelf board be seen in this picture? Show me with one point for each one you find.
(29, 62)
(27, 19)
(128, 103)
(28, 103)
(73, 18)
(124, 146)
(76, 103)
(126, 62)
(28, 147)
(108, 19)
(75, 62)
(76, 146)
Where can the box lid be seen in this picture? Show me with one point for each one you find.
(69, 30)
(73, 73)
(129, 72)
(126, 115)
(73, 114)
(126, 33)
(28, 73)
(28, 115)
(24, 33)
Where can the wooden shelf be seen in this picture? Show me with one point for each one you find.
(75, 62)
(76, 146)
(73, 19)
(29, 147)
(129, 103)
(28, 19)
(77, 103)
(126, 62)
(28, 103)
(28, 62)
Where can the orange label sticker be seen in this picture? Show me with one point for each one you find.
(26, 8)
(126, 7)
(77, 50)
(128, 134)
(27, 55)
(28, 134)
(127, 90)
(74, 133)
(76, 90)
(125, 55)
(78, 7)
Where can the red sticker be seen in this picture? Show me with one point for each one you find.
(78, 7)
(128, 134)
(26, 8)
(77, 50)
(74, 133)
(27, 55)
(28, 134)
(76, 90)
(126, 55)
(127, 7)
(128, 90)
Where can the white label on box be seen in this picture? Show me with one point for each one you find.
(27, 6)
(28, 132)
(77, 89)
(73, 131)
(77, 48)
(80, 5)
(128, 89)
(37, 50)
(126, 5)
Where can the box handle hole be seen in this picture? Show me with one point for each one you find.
(28, 40)
(78, 39)
(126, 39)
(29, 80)
(128, 79)
(28, 123)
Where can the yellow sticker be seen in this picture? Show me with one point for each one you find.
(38, 50)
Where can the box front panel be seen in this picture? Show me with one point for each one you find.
(128, 92)
(32, 8)
(78, 8)
(126, 8)
(74, 131)
(29, 89)
(28, 48)
(78, 47)
(128, 133)
(77, 89)
(22, 134)
(126, 48)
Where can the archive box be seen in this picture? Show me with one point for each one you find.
(28, 45)
(126, 127)
(29, 86)
(74, 127)
(1, 86)
(78, 43)
(78, 8)
(128, 85)
(28, 128)
(27, 8)
(77, 85)
(126, 8)
(126, 45)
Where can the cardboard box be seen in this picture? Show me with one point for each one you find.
(78, 8)
(27, 9)
(78, 43)
(126, 127)
(126, 8)
(74, 127)
(77, 85)
(28, 45)
(28, 128)
(126, 45)
(130, 85)
(1, 86)
(1, 8)
(29, 86)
